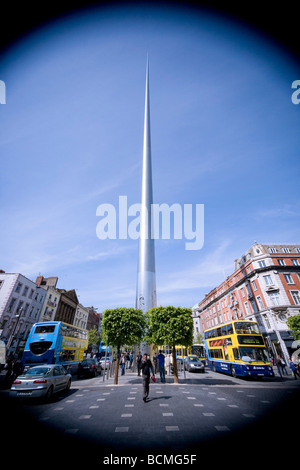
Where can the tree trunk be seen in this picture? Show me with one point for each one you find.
(175, 366)
(117, 365)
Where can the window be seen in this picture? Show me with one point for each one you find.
(267, 321)
(243, 328)
(19, 286)
(254, 285)
(25, 291)
(275, 298)
(268, 280)
(281, 262)
(224, 330)
(243, 292)
(26, 308)
(273, 250)
(11, 304)
(236, 354)
(262, 264)
(289, 279)
(296, 296)
(40, 347)
(216, 353)
(230, 329)
(260, 303)
(247, 308)
(295, 262)
(44, 329)
(20, 307)
(286, 250)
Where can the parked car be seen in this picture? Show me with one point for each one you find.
(104, 365)
(88, 368)
(193, 364)
(39, 381)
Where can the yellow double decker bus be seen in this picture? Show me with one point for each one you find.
(238, 348)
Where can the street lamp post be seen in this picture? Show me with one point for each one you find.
(10, 340)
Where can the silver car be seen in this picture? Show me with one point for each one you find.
(39, 381)
(193, 364)
(105, 365)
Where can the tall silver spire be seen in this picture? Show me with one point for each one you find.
(146, 285)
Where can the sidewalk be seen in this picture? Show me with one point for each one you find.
(131, 378)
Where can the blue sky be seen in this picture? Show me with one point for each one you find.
(224, 134)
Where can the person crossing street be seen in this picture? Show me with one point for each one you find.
(146, 367)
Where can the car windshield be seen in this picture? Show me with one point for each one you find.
(193, 359)
(38, 371)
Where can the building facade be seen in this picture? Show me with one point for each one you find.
(50, 306)
(81, 317)
(265, 286)
(93, 319)
(67, 306)
(21, 303)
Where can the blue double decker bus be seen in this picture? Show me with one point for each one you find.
(55, 342)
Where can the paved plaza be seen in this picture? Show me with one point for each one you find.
(203, 412)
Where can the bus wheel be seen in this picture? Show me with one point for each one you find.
(233, 373)
(213, 367)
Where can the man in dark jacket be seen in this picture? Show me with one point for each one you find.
(146, 367)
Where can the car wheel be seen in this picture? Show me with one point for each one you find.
(213, 367)
(233, 372)
(49, 393)
(68, 386)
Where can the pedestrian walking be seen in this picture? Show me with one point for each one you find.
(17, 369)
(131, 359)
(283, 365)
(294, 369)
(146, 367)
(123, 363)
(167, 364)
(161, 365)
(279, 365)
(127, 357)
(139, 362)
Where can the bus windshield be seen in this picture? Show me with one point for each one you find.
(246, 328)
(255, 354)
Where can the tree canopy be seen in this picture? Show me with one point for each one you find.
(294, 324)
(172, 326)
(123, 326)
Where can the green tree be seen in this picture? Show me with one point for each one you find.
(199, 338)
(93, 337)
(172, 326)
(123, 326)
(294, 324)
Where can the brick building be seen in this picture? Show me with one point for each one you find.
(265, 286)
